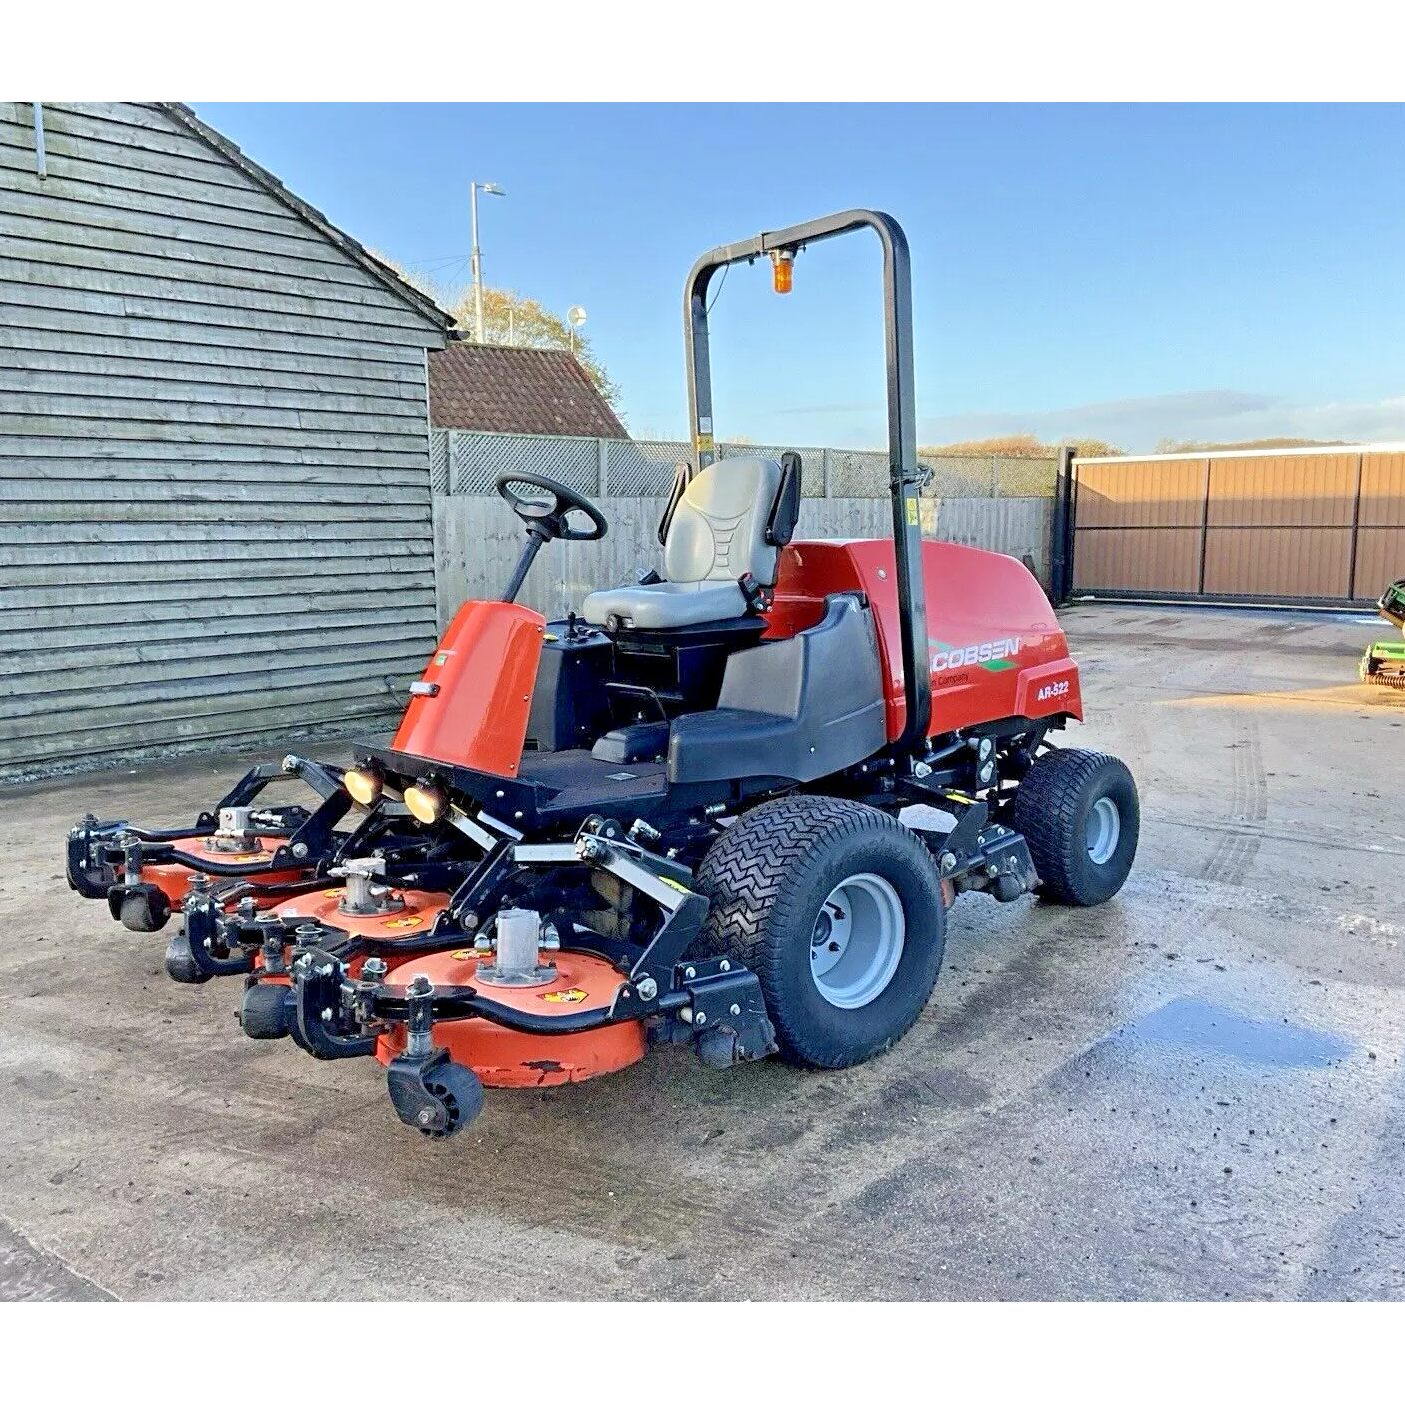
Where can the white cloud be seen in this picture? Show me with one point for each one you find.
(1223, 415)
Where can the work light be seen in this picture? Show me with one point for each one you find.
(426, 803)
(363, 784)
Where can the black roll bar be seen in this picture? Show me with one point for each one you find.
(904, 474)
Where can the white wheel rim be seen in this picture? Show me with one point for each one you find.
(1104, 830)
(857, 941)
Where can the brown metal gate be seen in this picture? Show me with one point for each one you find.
(1298, 526)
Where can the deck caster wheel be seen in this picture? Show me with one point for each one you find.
(437, 1097)
(266, 1011)
(180, 962)
(144, 909)
(145, 912)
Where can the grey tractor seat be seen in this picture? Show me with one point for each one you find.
(666, 605)
(730, 521)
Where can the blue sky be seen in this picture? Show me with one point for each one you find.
(1124, 272)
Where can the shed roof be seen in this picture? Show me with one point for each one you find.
(516, 390)
(419, 301)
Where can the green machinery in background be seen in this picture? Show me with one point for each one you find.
(1384, 663)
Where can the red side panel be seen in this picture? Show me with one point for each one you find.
(485, 668)
(994, 646)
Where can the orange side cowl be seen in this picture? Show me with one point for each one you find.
(477, 694)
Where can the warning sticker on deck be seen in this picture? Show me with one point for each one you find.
(574, 996)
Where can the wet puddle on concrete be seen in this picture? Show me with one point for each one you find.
(1213, 1029)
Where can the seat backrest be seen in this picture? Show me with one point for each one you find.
(718, 531)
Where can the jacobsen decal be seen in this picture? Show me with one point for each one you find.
(993, 654)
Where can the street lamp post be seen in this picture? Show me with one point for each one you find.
(576, 317)
(488, 188)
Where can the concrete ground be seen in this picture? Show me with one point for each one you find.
(1193, 1092)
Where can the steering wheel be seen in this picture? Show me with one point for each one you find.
(548, 519)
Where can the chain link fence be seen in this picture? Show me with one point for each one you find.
(1000, 504)
(467, 464)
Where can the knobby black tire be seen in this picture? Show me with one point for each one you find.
(1051, 810)
(765, 879)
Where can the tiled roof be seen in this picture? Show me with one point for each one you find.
(516, 390)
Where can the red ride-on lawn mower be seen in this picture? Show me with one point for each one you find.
(680, 818)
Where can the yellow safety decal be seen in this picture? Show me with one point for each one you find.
(912, 518)
(465, 954)
(574, 996)
(703, 443)
(403, 921)
(331, 892)
(674, 883)
(960, 799)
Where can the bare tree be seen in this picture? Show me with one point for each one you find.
(510, 318)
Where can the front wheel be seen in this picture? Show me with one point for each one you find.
(1080, 816)
(838, 909)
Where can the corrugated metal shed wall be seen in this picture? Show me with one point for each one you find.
(1303, 524)
(214, 495)
(1380, 537)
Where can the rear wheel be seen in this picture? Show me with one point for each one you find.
(1079, 814)
(838, 909)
